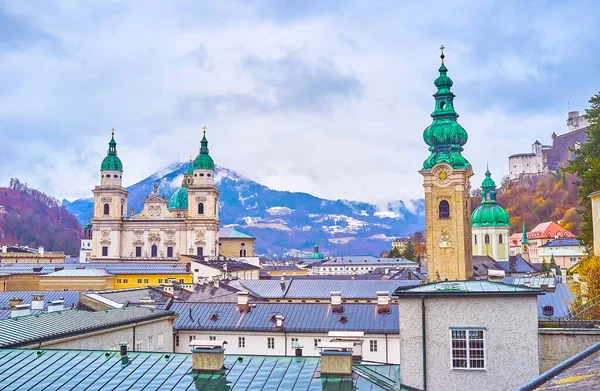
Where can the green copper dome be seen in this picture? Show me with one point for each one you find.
(179, 199)
(489, 213)
(112, 162)
(203, 161)
(316, 254)
(445, 136)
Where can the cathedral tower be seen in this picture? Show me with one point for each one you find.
(203, 203)
(110, 205)
(491, 224)
(447, 186)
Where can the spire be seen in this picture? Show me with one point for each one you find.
(204, 143)
(488, 189)
(445, 136)
(112, 144)
(524, 236)
(112, 161)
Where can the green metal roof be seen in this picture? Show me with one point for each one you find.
(179, 199)
(316, 254)
(26, 330)
(445, 136)
(203, 161)
(230, 232)
(489, 213)
(465, 288)
(112, 162)
(95, 370)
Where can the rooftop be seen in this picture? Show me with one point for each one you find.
(25, 330)
(517, 264)
(229, 265)
(367, 260)
(466, 288)
(68, 369)
(299, 317)
(562, 243)
(80, 273)
(232, 233)
(112, 268)
(70, 297)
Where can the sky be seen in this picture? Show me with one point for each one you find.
(325, 97)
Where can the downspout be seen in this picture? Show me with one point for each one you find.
(285, 342)
(133, 338)
(387, 349)
(423, 342)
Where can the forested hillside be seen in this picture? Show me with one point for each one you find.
(29, 217)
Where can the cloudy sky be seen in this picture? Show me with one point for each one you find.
(325, 97)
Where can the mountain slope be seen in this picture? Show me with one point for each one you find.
(284, 221)
(31, 218)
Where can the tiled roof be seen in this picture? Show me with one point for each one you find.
(462, 288)
(297, 288)
(299, 317)
(231, 264)
(230, 232)
(70, 297)
(24, 330)
(112, 268)
(548, 230)
(562, 243)
(80, 273)
(94, 370)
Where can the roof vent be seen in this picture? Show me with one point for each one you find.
(214, 316)
(20, 310)
(548, 310)
(37, 302)
(56, 305)
(14, 301)
(207, 356)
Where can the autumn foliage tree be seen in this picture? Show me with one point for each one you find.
(587, 289)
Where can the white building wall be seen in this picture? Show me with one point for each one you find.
(256, 344)
(525, 165)
(511, 342)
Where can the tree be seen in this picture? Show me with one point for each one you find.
(587, 288)
(409, 251)
(545, 268)
(586, 165)
(394, 253)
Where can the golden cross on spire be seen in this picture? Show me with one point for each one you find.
(442, 55)
(190, 158)
(113, 131)
(204, 129)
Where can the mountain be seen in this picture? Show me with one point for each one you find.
(31, 218)
(286, 222)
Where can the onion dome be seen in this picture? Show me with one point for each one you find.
(203, 161)
(489, 213)
(316, 254)
(445, 136)
(179, 199)
(112, 162)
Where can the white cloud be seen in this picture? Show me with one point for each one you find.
(330, 100)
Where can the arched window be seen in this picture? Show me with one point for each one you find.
(201, 208)
(122, 210)
(106, 209)
(487, 239)
(154, 251)
(243, 252)
(500, 239)
(444, 209)
(475, 238)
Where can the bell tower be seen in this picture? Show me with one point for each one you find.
(446, 179)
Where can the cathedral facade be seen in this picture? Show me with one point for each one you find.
(187, 223)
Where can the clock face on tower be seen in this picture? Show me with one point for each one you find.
(441, 175)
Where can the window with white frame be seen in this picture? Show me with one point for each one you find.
(160, 340)
(241, 342)
(294, 342)
(316, 343)
(150, 343)
(373, 345)
(468, 350)
(138, 345)
(270, 343)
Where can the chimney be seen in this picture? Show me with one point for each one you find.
(336, 302)
(383, 302)
(242, 298)
(56, 305)
(15, 301)
(279, 321)
(4, 249)
(207, 356)
(123, 348)
(282, 282)
(37, 302)
(41, 251)
(336, 358)
(20, 310)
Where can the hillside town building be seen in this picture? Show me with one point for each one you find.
(544, 158)
(541, 234)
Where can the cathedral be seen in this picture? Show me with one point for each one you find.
(187, 223)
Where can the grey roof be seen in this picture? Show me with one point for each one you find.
(298, 288)
(562, 243)
(220, 265)
(483, 263)
(464, 288)
(516, 264)
(578, 373)
(112, 268)
(70, 297)
(368, 260)
(522, 155)
(299, 317)
(80, 273)
(25, 330)
(269, 268)
(94, 370)
(555, 294)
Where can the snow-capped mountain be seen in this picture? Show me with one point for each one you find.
(284, 221)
